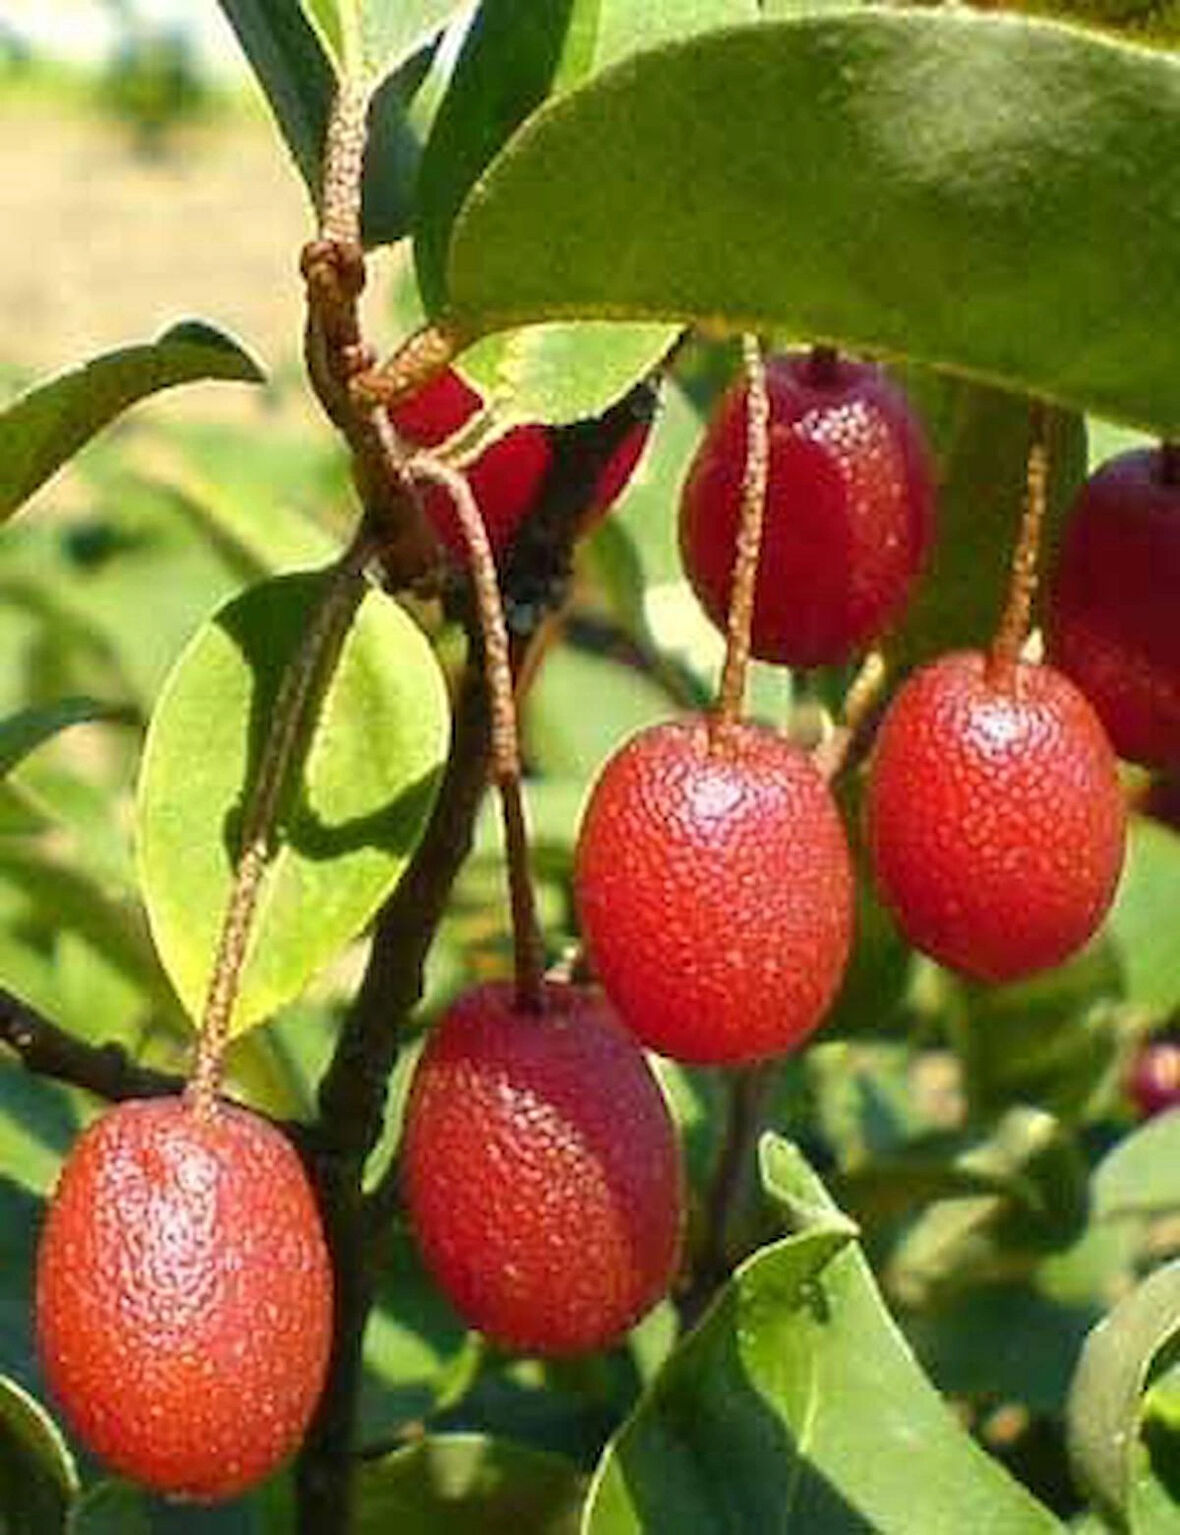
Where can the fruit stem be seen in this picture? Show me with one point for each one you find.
(830, 756)
(528, 951)
(1169, 462)
(732, 688)
(312, 663)
(1022, 583)
(823, 367)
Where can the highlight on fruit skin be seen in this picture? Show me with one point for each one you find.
(505, 478)
(849, 512)
(995, 821)
(184, 1297)
(1112, 606)
(714, 887)
(541, 1170)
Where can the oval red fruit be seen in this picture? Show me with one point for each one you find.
(541, 1170)
(714, 886)
(505, 479)
(995, 820)
(184, 1296)
(1113, 609)
(849, 509)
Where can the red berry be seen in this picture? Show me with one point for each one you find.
(714, 885)
(505, 479)
(184, 1296)
(1154, 1079)
(541, 1170)
(994, 816)
(1113, 612)
(849, 509)
(615, 474)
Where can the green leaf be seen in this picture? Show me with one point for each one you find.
(294, 70)
(22, 733)
(560, 373)
(980, 438)
(1104, 1406)
(1141, 923)
(45, 427)
(796, 1404)
(513, 57)
(1138, 1177)
(468, 1484)
(38, 1478)
(348, 827)
(949, 186)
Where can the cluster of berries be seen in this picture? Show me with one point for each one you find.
(183, 1270)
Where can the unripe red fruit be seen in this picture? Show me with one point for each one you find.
(541, 1170)
(848, 515)
(715, 890)
(1113, 609)
(1153, 1081)
(505, 479)
(184, 1296)
(995, 819)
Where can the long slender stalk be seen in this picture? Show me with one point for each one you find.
(1013, 627)
(732, 687)
(310, 666)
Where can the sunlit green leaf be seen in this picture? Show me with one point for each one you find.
(38, 1478)
(347, 828)
(951, 186)
(796, 1403)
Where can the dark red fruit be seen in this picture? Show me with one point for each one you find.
(1154, 1078)
(615, 474)
(849, 508)
(1113, 611)
(714, 885)
(541, 1170)
(184, 1296)
(505, 479)
(994, 815)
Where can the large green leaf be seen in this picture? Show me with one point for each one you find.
(990, 194)
(1105, 1400)
(45, 427)
(38, 1478)
(468, 1484)
(513, 57)
(349, 824)
(796, 1404)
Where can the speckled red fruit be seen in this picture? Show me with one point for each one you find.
(505, 479)
(1153, 1081)
(849, 509)
(714, 886)
(1113, 610)
(184, 1297)
(541, 1170)
(995, 819)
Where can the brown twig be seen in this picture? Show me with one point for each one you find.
(49, 1051)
